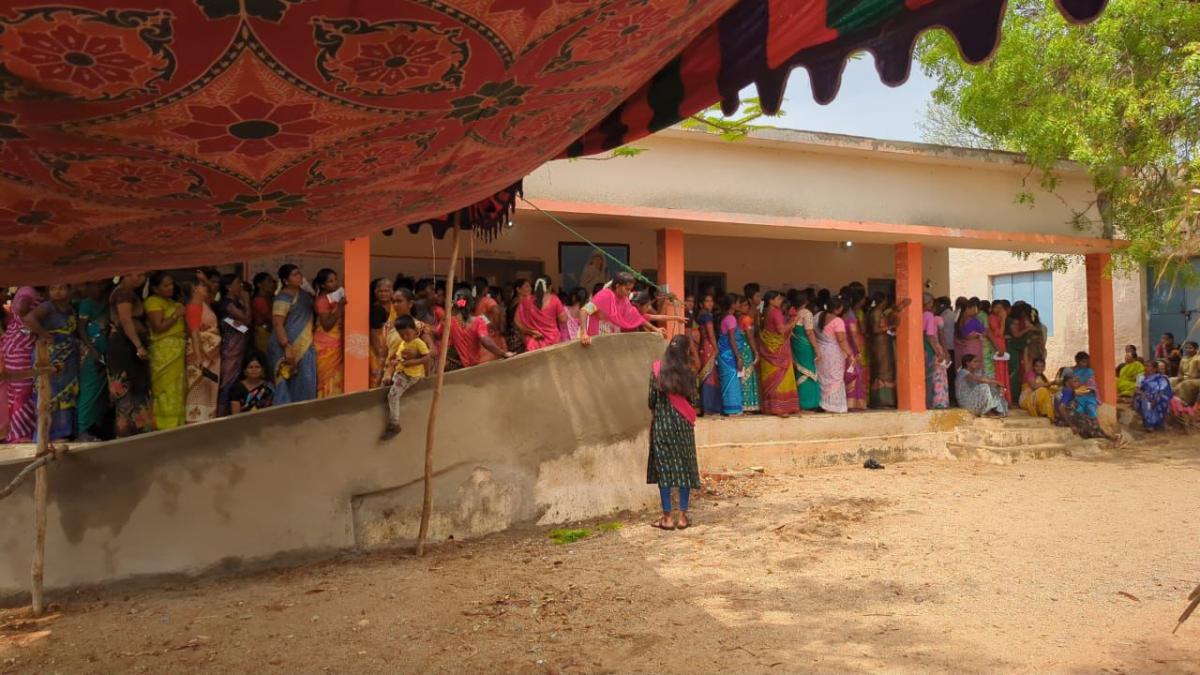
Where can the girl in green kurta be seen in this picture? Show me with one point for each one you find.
(672, 461)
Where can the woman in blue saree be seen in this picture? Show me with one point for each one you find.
(55, 322)
(291, 353)
(1152, 400)
(1086, 400)
(729, 358)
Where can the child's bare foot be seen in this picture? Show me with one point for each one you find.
(390, 432)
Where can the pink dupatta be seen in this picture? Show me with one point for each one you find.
(678, 401)
(618, 312)
(544, 320)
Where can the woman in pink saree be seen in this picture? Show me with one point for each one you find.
(611, 312)
(18, 355)
(540, 314)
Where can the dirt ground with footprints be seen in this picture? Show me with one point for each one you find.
(1061, 565)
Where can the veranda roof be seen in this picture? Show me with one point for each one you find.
(137, 134)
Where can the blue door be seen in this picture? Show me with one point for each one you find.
(1172, 308)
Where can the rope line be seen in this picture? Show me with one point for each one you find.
(637, 275)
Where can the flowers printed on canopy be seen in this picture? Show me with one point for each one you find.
(488, 101)
(87, 54)
(260, 205)
(391, 58)
(251, 126)
(132, 177)
(37, 218)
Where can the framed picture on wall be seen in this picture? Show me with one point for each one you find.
(581, 265)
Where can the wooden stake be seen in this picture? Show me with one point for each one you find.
(44, 396)
(427, 502)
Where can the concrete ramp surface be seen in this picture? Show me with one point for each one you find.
(557, 435)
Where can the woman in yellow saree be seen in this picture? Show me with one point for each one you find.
(382, 329)
(776, 369)
(330, 308)
(1037, 392)
(168, 352)
(1127, 375)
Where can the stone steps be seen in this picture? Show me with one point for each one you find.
(993, 454)
(1014, 437)
(1017, 437)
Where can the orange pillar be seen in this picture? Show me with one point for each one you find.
(356, 263)
(670, 271)
(1101, 340)
(910, 345)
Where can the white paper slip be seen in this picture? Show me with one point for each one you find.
(1001, 357)
(236, 325)
(337, 295)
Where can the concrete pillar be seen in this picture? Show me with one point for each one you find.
(910, 346)
(356, 261)
(1101, 341)
(670, 272)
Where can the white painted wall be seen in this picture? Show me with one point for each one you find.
(788, 173)
(775, 263)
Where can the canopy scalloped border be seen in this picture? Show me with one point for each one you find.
(975, 25)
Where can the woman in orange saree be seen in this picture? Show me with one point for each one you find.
(203, 360)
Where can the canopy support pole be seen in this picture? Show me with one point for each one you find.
(40, 478)
(427, 501)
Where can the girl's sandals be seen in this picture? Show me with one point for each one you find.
(683, 522)
(664, 523)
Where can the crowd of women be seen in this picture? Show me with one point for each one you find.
(811, 349)
(814, 350)
(144, 352)
(1164, 386)
(155, 352)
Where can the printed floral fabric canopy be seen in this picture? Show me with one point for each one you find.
(140, 135)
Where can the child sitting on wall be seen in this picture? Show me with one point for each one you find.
(412, 357)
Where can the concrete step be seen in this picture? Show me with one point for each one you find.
(1004, 455)
(1014, 437)
(1013, 421)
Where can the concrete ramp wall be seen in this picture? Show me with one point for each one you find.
(557, 435)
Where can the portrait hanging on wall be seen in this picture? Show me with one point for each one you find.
(580, 265)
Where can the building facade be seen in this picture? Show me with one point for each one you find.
(781, 208)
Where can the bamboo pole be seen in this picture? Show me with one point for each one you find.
(44, 396)
(427, 501)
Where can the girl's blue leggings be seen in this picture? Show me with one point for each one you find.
(665, 493)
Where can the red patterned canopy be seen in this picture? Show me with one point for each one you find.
(138, 134)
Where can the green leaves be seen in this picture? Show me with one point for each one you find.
(1120, 96)
(730, 128)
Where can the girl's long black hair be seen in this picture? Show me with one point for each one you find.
(675, 375)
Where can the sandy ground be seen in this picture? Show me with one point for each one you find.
(1062, 565)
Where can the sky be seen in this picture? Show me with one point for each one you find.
(864, 106)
